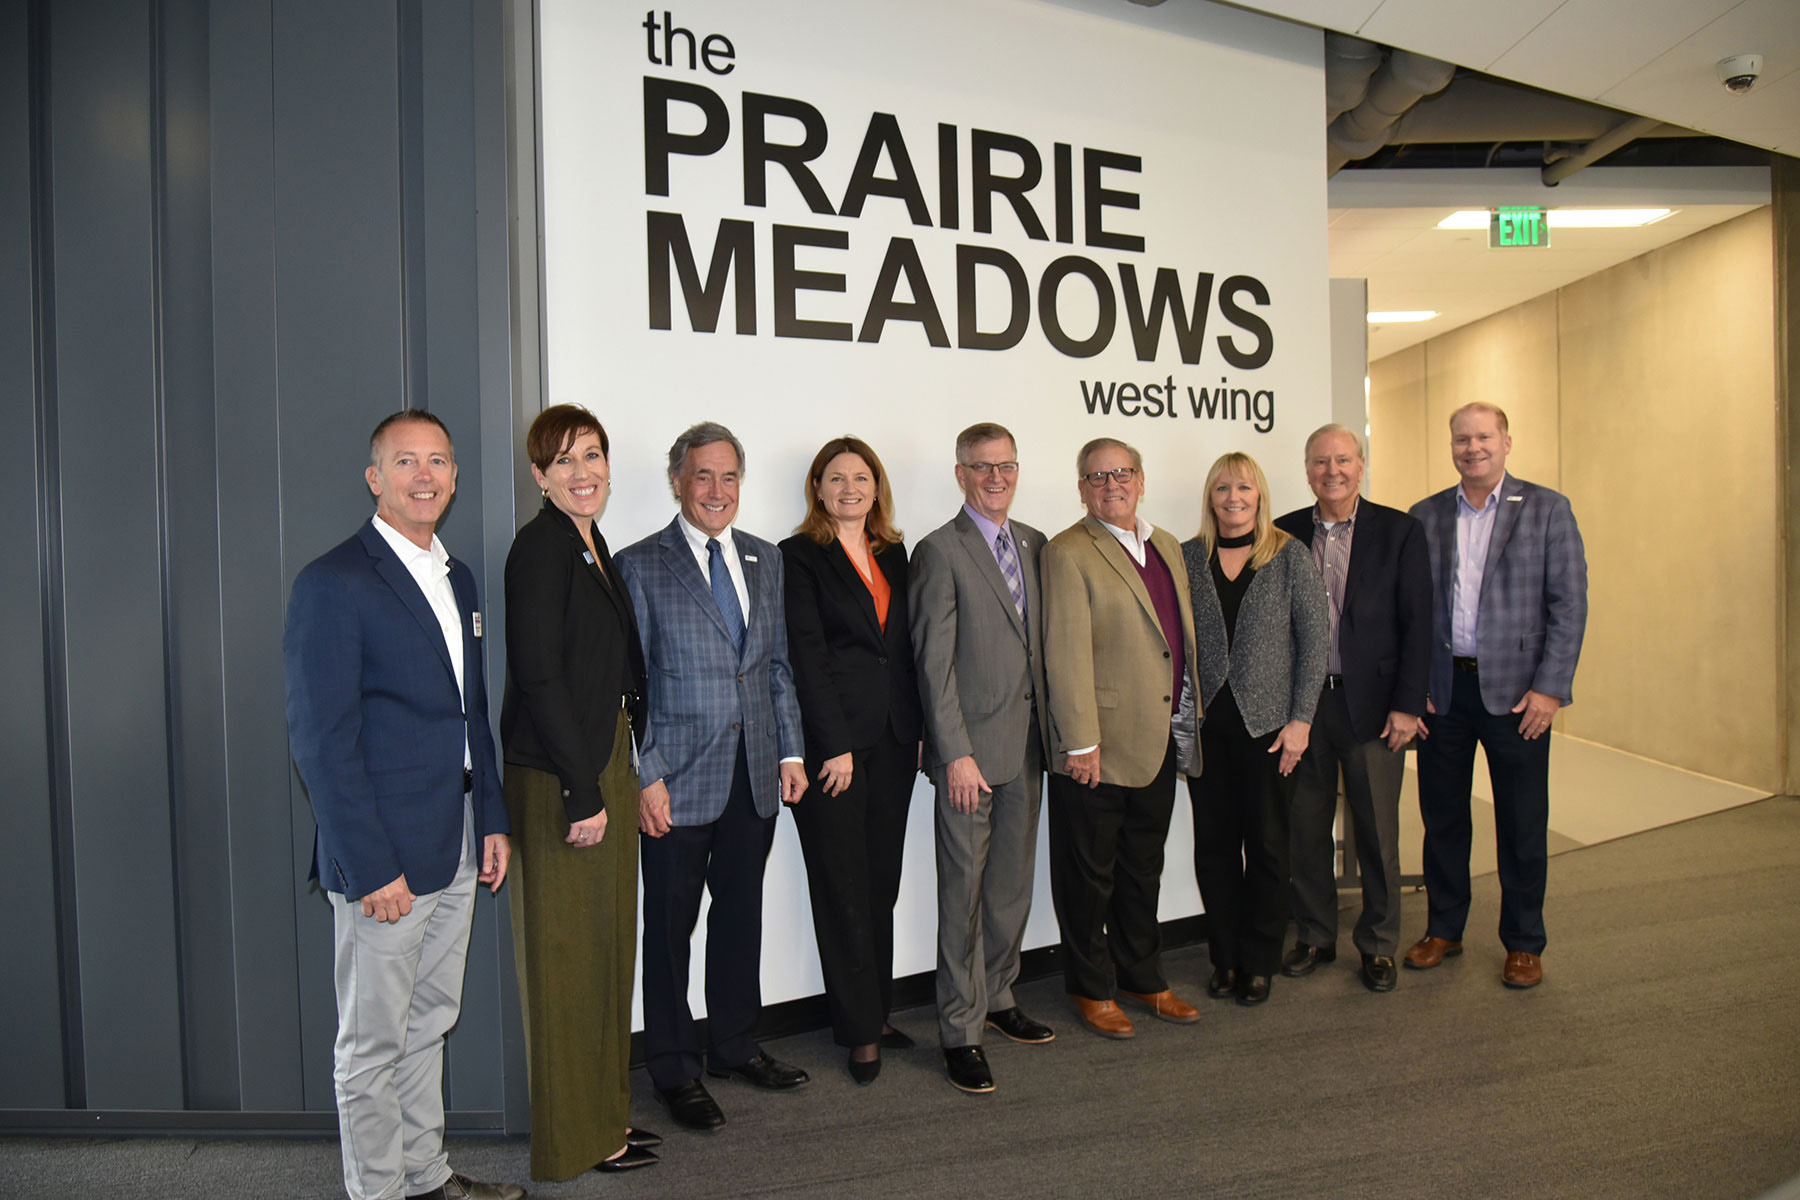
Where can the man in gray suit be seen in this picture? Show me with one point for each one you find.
(1509, 607)
(720, 752)
(978, 637)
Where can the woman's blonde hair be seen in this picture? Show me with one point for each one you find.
(1269, 540)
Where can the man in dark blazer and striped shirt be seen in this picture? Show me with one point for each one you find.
(1509, 607)
(1378, 582)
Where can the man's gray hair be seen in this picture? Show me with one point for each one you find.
(1103, 443)
(696, 436)
(1361, 450)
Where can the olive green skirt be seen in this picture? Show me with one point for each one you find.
(574, 915)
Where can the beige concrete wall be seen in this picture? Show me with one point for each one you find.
(1668, 375)
(1397, 435)
(1646, 393)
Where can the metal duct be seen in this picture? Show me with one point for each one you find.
(1349, 61)
(1404, 80)
(1565, 161)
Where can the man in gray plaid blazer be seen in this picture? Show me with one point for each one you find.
(719, 753)
(1509, 606)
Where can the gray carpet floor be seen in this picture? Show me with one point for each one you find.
(1659, 1058)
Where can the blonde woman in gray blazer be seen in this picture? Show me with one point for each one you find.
(1261, 624)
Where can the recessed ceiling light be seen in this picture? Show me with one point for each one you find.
(1400, 318)
(1567, 218)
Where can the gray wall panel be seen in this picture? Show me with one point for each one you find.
(111, 545)
(31, 1037)
(266, 864)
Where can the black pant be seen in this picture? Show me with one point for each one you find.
(1106, 862)
(1372, 778)
(853, 843)
(724, 858)
(1241, 802)
(1520, 772)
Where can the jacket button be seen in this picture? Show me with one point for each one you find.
(736, 725)
(740, 679)
(1028, 695)
(1165, 654)
(1165, 700)
(882, 661)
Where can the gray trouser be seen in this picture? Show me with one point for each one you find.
(399, 989)
(986, 861)
(1372, 777)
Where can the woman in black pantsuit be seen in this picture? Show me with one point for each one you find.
(1261, 624)
(859, 701)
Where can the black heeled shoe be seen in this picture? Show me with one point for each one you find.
(642, 1138)
(633, 1158)
(864, 1072)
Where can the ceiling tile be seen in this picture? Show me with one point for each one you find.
(1588, 46)
(1465, 32)
(1326, 14)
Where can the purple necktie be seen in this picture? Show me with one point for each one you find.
(1008, 558)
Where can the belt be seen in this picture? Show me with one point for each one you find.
(1464, 664)
(468, 781)
(1333, 681)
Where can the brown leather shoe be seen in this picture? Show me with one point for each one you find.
(1428, 952)
(1166, 1005)
(1103, 1017)
(1522, 970)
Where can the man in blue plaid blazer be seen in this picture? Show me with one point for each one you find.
(719, 754)
(1509, 583)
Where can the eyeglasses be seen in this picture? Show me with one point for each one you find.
(1097, 479)
(999, 468)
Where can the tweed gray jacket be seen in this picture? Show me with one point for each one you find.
(1276, 663)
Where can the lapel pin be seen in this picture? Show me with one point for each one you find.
(475, 622)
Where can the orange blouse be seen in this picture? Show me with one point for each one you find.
(877, 583)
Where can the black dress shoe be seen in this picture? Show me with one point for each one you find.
(633, 1158)
(1253, 990)
(643, 1138)
(692, 1105)
(1303, 959)
(968, 1068)
(865, 1072)
(893, 1039)
(1020, 1028)
(1223, 984)
(1379, 974)
(764, 1072)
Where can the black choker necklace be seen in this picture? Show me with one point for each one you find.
(1238, 542)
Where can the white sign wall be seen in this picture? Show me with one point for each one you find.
(805, 219)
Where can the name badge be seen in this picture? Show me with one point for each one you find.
(475, 622)
(1515, 499)
(587, 556)
(749, 558)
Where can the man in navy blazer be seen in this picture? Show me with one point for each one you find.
(721, 751)
(1509, 607)
(388, 724)
(1378, 581)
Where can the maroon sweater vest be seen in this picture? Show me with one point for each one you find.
(1161, 585)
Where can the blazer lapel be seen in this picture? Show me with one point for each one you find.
(852, 579)
(756, 583)
(1115, 555)
(1505, 521)
(982, 555)
(394, 573)
(1367, 530)
(680, 563)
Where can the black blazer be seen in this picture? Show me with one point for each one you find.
(1384, 636)
(854, 679)
(571, 650)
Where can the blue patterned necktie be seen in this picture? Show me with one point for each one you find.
(725, 593)
(1008, 559)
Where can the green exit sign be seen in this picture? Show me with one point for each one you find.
(1509, 228)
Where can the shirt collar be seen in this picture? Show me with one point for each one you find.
(987, 527)
(408, 550)
(697, 538)
(1493, 497)
(1319, 520)
(1142, 530)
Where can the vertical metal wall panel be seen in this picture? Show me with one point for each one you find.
(441, 274)
(31, 1036)
(191, 489)
(107, 436)
(340, 349)
(268, 867)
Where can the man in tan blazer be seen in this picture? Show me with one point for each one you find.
(1119, 648)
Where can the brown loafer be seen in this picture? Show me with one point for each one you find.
(1428, 952)
(1166, 1005)
(1522, 970)
(1103, 1017)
